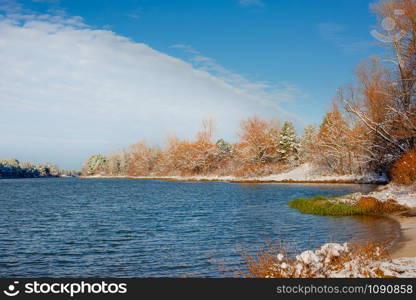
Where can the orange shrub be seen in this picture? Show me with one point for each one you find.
(404, 170)
(373, 206)
(369, 203)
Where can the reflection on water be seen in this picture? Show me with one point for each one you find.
(153, 228)
(377, 229)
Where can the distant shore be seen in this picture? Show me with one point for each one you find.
(37, 177)
(305, 173)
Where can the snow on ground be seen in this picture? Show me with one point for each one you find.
(404, 195)
(319, 263)
(304, 173)
(309, 172)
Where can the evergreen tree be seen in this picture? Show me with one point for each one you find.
(288, 143)
(95, 164)
(223, 147)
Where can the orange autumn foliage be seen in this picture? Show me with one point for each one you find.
(404, 170)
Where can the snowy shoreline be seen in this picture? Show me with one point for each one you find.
(401, 260)
(320, 263)
(305, 173)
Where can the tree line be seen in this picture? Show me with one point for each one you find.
(13, 168)
(263, 148)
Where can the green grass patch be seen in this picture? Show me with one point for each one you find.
(325, 206)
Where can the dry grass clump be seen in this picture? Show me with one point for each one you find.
(404, 170)
(374, 206)
(331, 260)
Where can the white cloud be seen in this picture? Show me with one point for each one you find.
(277, 92)
(69, 91)
(251, 2)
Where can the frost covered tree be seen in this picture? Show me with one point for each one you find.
(95, 164)
(12, 168)
(332, 139)
(258, 140)
(341, 145)
(307, 144)
(288, 144)
(384, 98)
(30, 170)
(43, 169)
(223, 148)
(142, 159)
(113, 165)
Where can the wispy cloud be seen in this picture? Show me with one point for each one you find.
(273, 92)
(251, 2)
(65, 80)
(135, 14)
(340, 37)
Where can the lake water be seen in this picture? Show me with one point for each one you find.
(151, 228)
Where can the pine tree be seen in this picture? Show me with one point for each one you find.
(95, 164)
(288, 144)
(223, 148)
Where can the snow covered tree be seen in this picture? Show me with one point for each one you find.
(332, 139)
(30, 170)
(288, 144)
(341, 145)
(142, 159)
(385, 94)
(203, 150)
(307, 144)
(258, 140)
(113, 165)
(43, 169)
(223, 148)
(95, 164)
(12, 168)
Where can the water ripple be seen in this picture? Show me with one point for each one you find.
(152, 228)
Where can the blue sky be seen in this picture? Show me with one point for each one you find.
(291, 54)
(312, 44)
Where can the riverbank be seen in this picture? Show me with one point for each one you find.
(401, 259)
(349, 260)
(395, 201)
(306, 173)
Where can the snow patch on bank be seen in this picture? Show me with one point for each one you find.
(318, 264)
(404, 195)
(310, 172)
